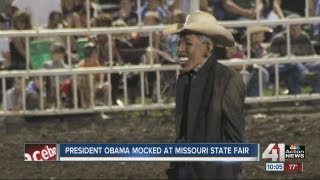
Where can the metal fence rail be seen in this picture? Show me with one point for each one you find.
(142, 69)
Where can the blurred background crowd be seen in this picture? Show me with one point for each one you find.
(134, 48)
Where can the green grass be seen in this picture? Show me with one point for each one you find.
(270, 92)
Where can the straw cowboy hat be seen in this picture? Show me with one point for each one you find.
(203, 23)
(293, 16)
(256, 29)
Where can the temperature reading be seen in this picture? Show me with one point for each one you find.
(293, 167)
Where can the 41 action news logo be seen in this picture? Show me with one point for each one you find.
(280, 152)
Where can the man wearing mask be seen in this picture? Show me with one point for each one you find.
(210, 96)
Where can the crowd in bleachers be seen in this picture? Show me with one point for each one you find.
(132, 48)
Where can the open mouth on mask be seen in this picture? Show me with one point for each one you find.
(183, 59)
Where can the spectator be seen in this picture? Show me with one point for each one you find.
(257, 36)
(81, 9)
(126, 13)
(266, 9)
(300, 41)
(68, 5)
(176, 17)
(233, 9)
(131, 48)
(183, 5)
(4, 15)
(218, 9)
(4, 4)
(295, 73)
(9, 11)
(102, 41)
(72, 19)
(316, 26)
(21, 21)
(14, 96)
(153, 5)
(58, 54)
(293, 7)
(39, 10)
(4, 45)
(99, 85)
(172, 10)
(235, 52)
(204, 6)
(70, 16)
(152, 18)
(277, 9)
(270, 9)
(33, 94)
(55, 20)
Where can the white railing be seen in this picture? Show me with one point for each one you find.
(141, 69)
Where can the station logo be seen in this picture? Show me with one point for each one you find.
(280, 152)
(294, 151)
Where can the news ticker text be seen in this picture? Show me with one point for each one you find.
(277, 153)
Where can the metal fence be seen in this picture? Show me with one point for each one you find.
(141, 70)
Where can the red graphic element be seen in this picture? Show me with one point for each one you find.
(293, 167)
(40, 152)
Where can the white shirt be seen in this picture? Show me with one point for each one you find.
(11, 98)
(4, 47)
(198, 67)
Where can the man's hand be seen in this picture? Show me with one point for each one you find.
(251, 14)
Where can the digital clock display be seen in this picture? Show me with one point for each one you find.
(274, 166)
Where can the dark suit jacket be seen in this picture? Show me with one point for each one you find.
(214, 114)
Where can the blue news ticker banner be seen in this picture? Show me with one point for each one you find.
(237, 152)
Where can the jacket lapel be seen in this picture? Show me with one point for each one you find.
(195, 99)
(198, 84)
(182, 82)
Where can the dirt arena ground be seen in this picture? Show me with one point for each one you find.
(293, 125)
